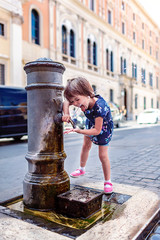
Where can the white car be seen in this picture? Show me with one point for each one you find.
(150, 115)
(116, 115)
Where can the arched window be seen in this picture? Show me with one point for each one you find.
(123, 65)
(94, 53)
(89, 50)
(72, 44)
(35, 26)
(64, 40)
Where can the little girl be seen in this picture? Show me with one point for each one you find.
(99, 124)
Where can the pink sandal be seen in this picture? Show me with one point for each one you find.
(77, 173)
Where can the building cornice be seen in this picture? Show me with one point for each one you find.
(12, 6)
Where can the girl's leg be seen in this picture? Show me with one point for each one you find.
(87, 143)
(103, 155)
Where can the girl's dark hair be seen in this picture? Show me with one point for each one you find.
(78, 86)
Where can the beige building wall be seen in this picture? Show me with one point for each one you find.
(11, 42)
(87, 24)
(5, 44)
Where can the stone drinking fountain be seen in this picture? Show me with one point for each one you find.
(46, 177)
(46, 185)
(48, 200)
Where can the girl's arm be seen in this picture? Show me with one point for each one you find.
(66, 115)
(93, 131)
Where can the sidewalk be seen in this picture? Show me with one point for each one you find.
(133, 124)
(124, 224)
(130, 216)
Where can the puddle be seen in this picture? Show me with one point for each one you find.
(68, 226)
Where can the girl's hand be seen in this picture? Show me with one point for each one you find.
(66, 118)
(77, 130)
(68, 131)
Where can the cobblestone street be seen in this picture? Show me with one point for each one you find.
(131, 163)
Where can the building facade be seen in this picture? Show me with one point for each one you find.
(11, 20)
(113, 43)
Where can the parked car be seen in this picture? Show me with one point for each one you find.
(80, 120)
(116, 115)
(13, 112)
(149, 115)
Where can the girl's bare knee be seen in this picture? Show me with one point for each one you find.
(87, 144)
(102, 157)
(87, 147)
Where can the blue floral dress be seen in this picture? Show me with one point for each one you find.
(100, 109)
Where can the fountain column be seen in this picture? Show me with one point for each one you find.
(46, 177)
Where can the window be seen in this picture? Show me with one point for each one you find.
(143, 75)
(111, 62)
(94, 54)
(151, 102)
(156, 39)
(157, 104)
(143, 44)
(64, 40)
(2, 74)
(111, 95)
(72, 44)
(91, 53)
(134, 17)
(157, 85)
(68, 44)
(151, 79)
(134, 71)
(35, 27)
(94, 89)
(143, 26)
(144, 103)
(107, 59)
(1, 29)
(123, 28)
(123, 5)
(136, 101)
(157, 54)
(89, 50)
(92, 5)
(150, 50)
(150, 33)
(109, 17)
(123, 66)
(134, 37)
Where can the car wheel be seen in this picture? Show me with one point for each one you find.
(117, 125)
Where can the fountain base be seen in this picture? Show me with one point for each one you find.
(62, 224)
(80, 202)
